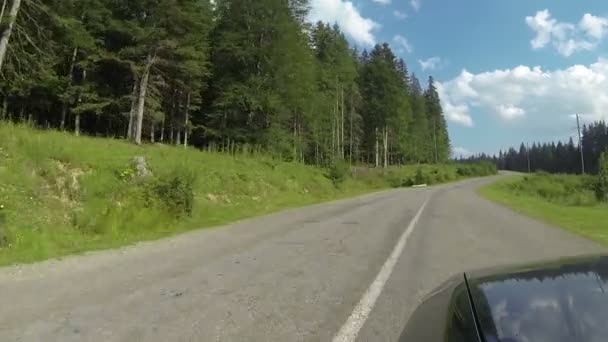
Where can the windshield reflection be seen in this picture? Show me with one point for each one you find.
(564, 304)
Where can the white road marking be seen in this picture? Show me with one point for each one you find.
(350, 329)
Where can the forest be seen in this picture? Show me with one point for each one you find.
(560, 157)
(224, 75)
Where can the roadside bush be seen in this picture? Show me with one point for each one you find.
(601, 183)
(421, 177)
(175, 191)
(479, 169)
(397, 178)
(571, 190)
(339, 171)
(3, 232)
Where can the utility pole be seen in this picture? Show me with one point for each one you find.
(435, 139)
(580, 144)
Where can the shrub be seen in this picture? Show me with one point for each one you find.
(3, 232)
(570, 190)
(421, 177)
(483, 168)
(601, 184)
(464, 171)
(339, 171)
(174, 191)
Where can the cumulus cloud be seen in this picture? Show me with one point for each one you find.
(403, 45)
(382, 2)
(399, 15)
(345, 14)
(524, 93)
(567, 38)
(510, 112)
(594, 26)
(415, 4)
(430, 64)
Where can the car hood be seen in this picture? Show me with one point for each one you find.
(556, 301)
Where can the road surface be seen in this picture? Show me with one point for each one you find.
(344, 271)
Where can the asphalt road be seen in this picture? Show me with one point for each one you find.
(293, 276)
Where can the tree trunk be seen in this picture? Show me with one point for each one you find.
(435, 141)
(130, 128)
(333, 133)
(152, 132)
(300, 135)
(8, 30)
(78, 101)
(4, 115)
(178, 141)
(64, 105)
(141, 101)
(295, 138)
(162, 131)
(77, 124)
(350, 137)
(316, 146)
(385, 138)
(171, 134)
(186, 120)
(2, 11)
(377, 148)
(342, 153)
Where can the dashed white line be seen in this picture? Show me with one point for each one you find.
(350, 329)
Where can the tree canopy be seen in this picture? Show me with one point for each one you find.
(556, 157)
(226, 75)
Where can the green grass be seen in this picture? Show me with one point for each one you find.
(62, 194)
(561, 200)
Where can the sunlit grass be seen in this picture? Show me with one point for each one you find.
(46, 214)
(580, 213)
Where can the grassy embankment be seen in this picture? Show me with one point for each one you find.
(566, 201)
(61, 194)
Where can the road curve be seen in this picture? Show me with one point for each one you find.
(297, 275)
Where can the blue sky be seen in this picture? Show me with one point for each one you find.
(509, 70)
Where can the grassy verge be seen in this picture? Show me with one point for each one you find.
(560, 200)
(61, 194)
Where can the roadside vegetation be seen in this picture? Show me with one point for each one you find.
(62, 194)
(221, 75)
(212, 111)
(578, 203)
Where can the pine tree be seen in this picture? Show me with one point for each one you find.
(438, 126)
(235, 74)
(420, 146)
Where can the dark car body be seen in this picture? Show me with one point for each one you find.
(556, 301)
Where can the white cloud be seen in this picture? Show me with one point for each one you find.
(567, 38)
(510, 112)
(461, 152)
(399, 15)
(343, 12)
(430, 64)
(415, 4)
(535, 95)
(594, 26)
(402, 44)
(382, 2)
(457, 113)
(569, 47)
(542, 24)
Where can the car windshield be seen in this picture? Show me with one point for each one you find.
(571, 307)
